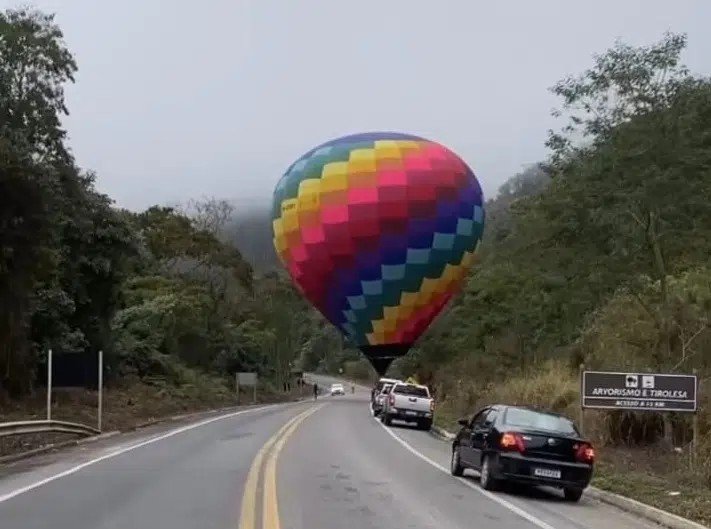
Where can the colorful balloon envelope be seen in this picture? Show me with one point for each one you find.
(378, 231)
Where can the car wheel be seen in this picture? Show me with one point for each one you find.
(387, 420)
(456, 467)
(572, 494)
(487, 481)
(425, 425)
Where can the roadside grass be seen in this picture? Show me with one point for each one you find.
(662, 480)
(660, 477)
(129, 404)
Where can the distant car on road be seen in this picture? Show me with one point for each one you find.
(518, 444)
(409, 403)
(337, 389)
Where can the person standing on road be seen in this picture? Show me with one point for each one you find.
(315, 391)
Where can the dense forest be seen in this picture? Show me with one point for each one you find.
(599, 256)
(164, 293)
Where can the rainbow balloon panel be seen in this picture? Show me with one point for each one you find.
(378, 231)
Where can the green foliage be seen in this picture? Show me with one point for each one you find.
(34, 66)
(62, 245)
(164, 293)
(624, 83)
(625, 331)
(25, 231)
(607, 262)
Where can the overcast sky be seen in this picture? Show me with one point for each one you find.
(177, 100)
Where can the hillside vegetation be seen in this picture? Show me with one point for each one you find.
(602, 257)
(164, 293)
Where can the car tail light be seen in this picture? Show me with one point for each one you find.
(432, 406)
(512, 441)
(585, 453)
(391, 399)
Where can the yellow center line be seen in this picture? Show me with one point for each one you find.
(248, 518)
(270, 506)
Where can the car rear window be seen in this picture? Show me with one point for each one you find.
(407, 389)
(538, 421)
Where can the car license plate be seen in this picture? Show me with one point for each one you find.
(410, 412)
(546, 473)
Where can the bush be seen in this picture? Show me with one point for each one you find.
(551, 387)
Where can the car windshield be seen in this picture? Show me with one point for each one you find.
(409, 389)
(539, 421)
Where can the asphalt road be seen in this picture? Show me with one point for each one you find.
(309, 465)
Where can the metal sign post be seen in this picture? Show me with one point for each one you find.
(101, 390)
(582, 408)
(49, 385)
(695, 428)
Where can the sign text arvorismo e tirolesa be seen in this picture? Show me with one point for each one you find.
(640, 393)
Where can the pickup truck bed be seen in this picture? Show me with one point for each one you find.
(410, 403)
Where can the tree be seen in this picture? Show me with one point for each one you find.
(25, 232)
(642, 186)
(625, 82)
(34, 66)
(623, 203)
(210, 214)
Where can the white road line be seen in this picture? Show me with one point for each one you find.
(123, 450)
(510, 506)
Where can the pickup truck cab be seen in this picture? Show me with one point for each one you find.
(409, 403)
(380, 398)
(378, 388)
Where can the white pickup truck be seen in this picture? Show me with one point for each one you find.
(409, 403)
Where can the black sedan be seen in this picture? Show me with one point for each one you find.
(510, 443)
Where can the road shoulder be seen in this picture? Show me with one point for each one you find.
(659, 516)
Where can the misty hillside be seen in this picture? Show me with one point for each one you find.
(250, 229)
(251, 232)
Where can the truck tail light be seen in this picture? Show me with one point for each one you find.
(391, 400)
(432, 406)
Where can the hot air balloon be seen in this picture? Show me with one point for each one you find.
(378, 232)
